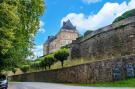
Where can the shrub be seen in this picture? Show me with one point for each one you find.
(61, 55)
(43, 64)
(48, 60)
(14, 70)
(25, 68)
(35, 65)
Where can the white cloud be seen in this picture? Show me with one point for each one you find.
(38, 51)
(41, 25)
(104, 17)
(91, 1)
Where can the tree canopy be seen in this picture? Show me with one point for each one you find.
(61, 55)
(48, 60)
(87, 32)
(127, 14)
(19, 22)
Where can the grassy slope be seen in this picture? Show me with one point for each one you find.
(123, 83)
(69, 63)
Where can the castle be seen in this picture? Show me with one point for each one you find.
(65, 36)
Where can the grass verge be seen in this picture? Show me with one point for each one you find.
(122, 83)
(68, 63)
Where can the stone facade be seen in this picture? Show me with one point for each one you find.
(66, 35)
(99, 71)
(112, 41)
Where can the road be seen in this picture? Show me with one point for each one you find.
(34, 85)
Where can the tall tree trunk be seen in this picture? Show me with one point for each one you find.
(62, 63)
(49, 67)
(45, 67)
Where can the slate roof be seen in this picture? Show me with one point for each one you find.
(50, 38)
(68, 25)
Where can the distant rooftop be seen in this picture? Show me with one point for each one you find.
(50, 38)
(68, 25)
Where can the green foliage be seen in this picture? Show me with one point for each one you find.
(66, 46)
(35, 65)
(127, 14)
(122, 83)
(25, 68)
(19, 22)
(43, 63)
(61, 55)
(8, 22)
(79, 38)
(69, 63)
(48, 60)
(87, 32)
(14, 70)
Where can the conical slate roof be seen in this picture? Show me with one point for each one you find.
(68, 25)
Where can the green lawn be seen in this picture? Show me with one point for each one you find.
(69, 63)
(123, 83)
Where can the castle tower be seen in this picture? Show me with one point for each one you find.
(65, 36)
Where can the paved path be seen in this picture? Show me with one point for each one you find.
(34, 85)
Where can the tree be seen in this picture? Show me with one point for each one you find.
(48, 60)
(43, 64)
(29, 12)
(8, 22)
(80, 37)
(37, 65)
(87, 32)
(25, 68)
(19, 22)
(61, 55)
(127, 14)
(14, 70)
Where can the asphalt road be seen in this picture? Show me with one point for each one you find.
(34, 85)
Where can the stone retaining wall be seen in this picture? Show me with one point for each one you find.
(99, 71)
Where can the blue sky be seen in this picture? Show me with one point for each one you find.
(84, 14)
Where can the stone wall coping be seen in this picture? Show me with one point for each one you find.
(107, 28)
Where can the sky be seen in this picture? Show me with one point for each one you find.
(84, 14)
